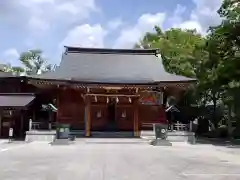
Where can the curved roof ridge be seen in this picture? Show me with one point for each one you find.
(70, 49)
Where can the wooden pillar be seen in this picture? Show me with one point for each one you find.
(21, 125)
(87, 117)
(0, 123)
(34, 115)
(135, 118)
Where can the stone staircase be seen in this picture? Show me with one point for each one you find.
(103, 134)
(106, 134)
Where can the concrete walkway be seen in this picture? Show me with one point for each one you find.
(113, 159)
(3, 141)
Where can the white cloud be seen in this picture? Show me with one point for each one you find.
(114, 24)
(42, 13)
(39, 1)
(85, 36)
(191, 25)
(11, 56)
(73, 11)
(206, 12)
(129, 36)
(36, 23)
(12, 53)
(202, 16)
(177, 18)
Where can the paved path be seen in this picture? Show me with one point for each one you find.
(113, 159)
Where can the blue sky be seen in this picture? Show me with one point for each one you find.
(50, 24)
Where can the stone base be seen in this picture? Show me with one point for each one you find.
(160, 142)
(172, 136)
(61, 142)
(38, 135)
(181, 136)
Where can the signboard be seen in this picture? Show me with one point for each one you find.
(6, 124)
(10, 132)
(7, 113)
(151, 98)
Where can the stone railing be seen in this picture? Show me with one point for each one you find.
(41, 125)
(180, 127)
(177, 132)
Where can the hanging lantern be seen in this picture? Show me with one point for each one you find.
(130, 100)
(99, 114)
(95, 98)
(117, 100)
(107, 100)
(124, 114)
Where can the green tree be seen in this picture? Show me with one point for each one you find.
(15, 70)
(227, 35)
(35, 63)
(214, 60)
(187, 53)
(184, 53)
(208, 76)
(177, 48)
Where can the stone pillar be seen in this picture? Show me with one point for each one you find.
(30, 125)
(191, 126)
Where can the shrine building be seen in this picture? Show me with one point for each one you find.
(93, 90)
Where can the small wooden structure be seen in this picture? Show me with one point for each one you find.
(13, 111)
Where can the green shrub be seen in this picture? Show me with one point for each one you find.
(236, 133)
(220, 132)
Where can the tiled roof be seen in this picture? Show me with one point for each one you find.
(112, 66)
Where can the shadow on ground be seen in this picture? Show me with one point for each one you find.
(230, 143)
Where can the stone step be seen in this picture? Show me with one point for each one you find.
(103, 134)
(111, 134)
(147, 133)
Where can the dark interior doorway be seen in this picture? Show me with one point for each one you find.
(111, 125)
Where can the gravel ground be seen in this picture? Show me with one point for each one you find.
(113, 159)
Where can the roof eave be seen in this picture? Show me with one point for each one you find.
(114, 83)
(70, 49)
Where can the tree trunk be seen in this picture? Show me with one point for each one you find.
(229, 123)
(215, 122)
(214, 100)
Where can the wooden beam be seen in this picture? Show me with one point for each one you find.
(124, 105)
(112, 87)
(135, 118)
(87, 117)
(113, 95)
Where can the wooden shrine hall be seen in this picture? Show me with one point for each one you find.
(110, 89)
(93, 90)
